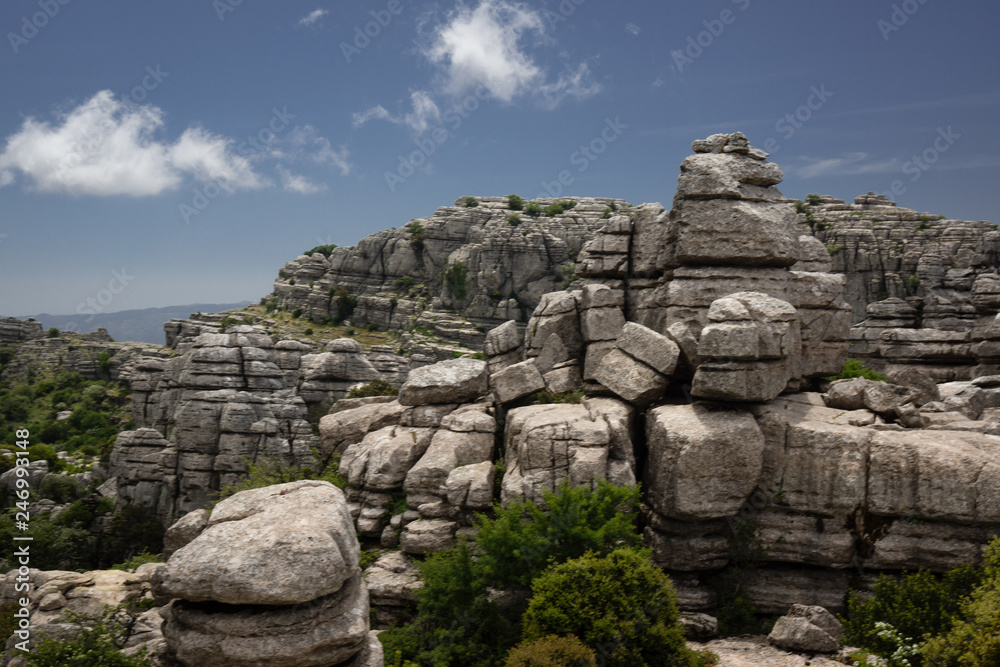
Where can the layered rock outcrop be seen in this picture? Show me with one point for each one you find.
(487, 262)
(273, 579)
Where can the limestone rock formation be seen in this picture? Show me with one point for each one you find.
(487, 262)
(272, 580)
(807, 628)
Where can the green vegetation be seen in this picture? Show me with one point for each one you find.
(345, 303)
(470, 202)
(533, 209)
(552, 651)
(515, 203)
(922, 619)
(458, 623)
(853, 368)
(455, 280)
(377, 387)
(619, 603)
(404, 283)
(514, 220)
(835, 249)
(736, 613)
(568, 270)
(265, 472)
(416, 236)
(52, 333)
(99, 641)
(99, 410)
(558, 207)
(914, 283)
(136, 561)
(813, 199)
(324, 250)
(545, 397)
(69, 542)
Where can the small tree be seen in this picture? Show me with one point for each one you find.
(515, 203)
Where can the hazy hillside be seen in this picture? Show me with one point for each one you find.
(144, 325)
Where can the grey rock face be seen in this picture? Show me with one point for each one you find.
(807, 628)
(548, 444)
(273, 580)
(516, 381)
(703, 462)
(300, 530)
(450, 381)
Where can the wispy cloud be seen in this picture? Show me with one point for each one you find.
(975, 100)
(423, 112)
(108, 147)
(849, 164)
(486, 46)
(313, 16)
(633, 28)
(297, 183)
(305, 144)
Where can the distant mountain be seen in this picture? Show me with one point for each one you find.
(145, 325)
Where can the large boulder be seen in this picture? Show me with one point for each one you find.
(449, 381)
(807, 628)
(279, 545)
(704, 461)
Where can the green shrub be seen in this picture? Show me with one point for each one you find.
(544, 397)
(136, 561)
(620, 604)
(523, 538)
(533, 209)
(514, 220)
(515, 203)
(455, 280)
(52, 333)
(297, 313)
(470, 202)
(266, 472)
(98, 643)
(834, 249)
(308, 331)
(416, 236)
(736, 613)
(60, 488)
(376, 387)
(915, 605)
(853, 368)
(552, 651)
(404, 283)
(324, 250)
(974, 638)
(345, 302)
(813, 199)
(558, 207)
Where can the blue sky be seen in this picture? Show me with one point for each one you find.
(178, 152)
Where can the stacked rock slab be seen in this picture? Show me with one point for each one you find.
(218, 406)
(547, 445)
(272, 580)
(418, 467)
(730, 230)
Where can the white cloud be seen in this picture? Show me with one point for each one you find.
(107, 147)
(307, 145)
(424, 111)
(850, 164)
(313, 16)
(633, 28)
(576, 84)
(480, 46)
(298, 184)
